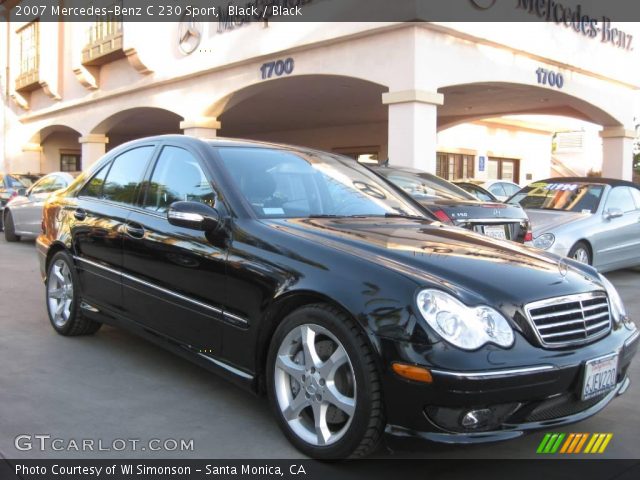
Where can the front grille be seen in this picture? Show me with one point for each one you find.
(570, 320)
(562, 407)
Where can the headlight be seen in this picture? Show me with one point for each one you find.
(617, 307)
(544, 241)
(465, 327)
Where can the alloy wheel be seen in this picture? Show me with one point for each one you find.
(60, 293)
(581, 255)
(315, 385)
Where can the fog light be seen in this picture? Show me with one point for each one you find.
(476, 418)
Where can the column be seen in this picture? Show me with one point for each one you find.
(94, 146)
(30, 159)
(413, 128)
(617, 152)
(203, 127)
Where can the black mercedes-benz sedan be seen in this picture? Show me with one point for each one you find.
(305, 276)
(451, 204)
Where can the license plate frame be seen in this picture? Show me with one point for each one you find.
(605, 366)
(497, 232)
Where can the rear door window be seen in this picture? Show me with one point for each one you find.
(125, 175)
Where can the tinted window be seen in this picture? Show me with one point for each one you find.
(424, 185)
(289, 184)
(510, 189)
(177, 177)
(125, 175)
(479, 193)
(570, 197)
(13, 182)
(620, 198)
(93, 188)
(497, 190)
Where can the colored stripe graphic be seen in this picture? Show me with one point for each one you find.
(572, 443)
(550, 443)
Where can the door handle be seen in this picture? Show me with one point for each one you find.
(80, 214)
(134, 230)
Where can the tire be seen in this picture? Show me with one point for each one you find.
(9, 228)
(304, 392)
(63, 299)
(582, 253)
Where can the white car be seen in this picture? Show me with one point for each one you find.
(501, 189)
(23, 213)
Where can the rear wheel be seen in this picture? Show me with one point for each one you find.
(323, 384)
(581, 252)
(9, 228)
(63, 303)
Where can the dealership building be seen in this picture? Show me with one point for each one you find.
(483, 100)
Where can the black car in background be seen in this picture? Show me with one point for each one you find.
(305, 276)
(12, 185)
(451, 204)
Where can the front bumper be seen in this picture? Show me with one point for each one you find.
(520, 398)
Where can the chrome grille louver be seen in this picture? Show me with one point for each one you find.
(570, 320)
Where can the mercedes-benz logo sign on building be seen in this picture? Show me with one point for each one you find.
(483, 4)
(189, 36)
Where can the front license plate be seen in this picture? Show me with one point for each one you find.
(495, 231)
(599, 376)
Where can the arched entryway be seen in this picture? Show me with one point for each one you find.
(329, 112)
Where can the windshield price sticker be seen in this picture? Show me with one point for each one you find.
(565, 187)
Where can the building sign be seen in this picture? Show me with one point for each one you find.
(277, 68)
(550, 78)
(575, 18)
(579, 21)
(481, 163)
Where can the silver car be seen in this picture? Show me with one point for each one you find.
(592, 220)
(23, 213)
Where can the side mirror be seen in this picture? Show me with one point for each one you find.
(193, 215)
(613, 213)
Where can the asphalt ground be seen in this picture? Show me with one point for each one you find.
(114, 387)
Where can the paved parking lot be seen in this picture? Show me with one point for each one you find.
(116, 386)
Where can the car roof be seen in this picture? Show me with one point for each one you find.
(217, 142)
(614, 182)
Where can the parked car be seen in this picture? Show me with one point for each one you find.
(22, 215)
(451, 204)
(592, 220)
(477, 191)
(10, 185)
(501, 189)
(306, 276)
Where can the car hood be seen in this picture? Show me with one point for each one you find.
(543, 221)
(452, 258)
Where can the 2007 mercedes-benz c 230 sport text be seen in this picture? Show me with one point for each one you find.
(308, 277)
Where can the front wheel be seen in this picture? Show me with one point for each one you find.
(62, 295)
(9, 228)
(323, 384)
(581, 252)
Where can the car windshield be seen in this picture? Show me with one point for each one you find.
(569, 197)
(15, 182)
(424, 186)
(298, 184)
